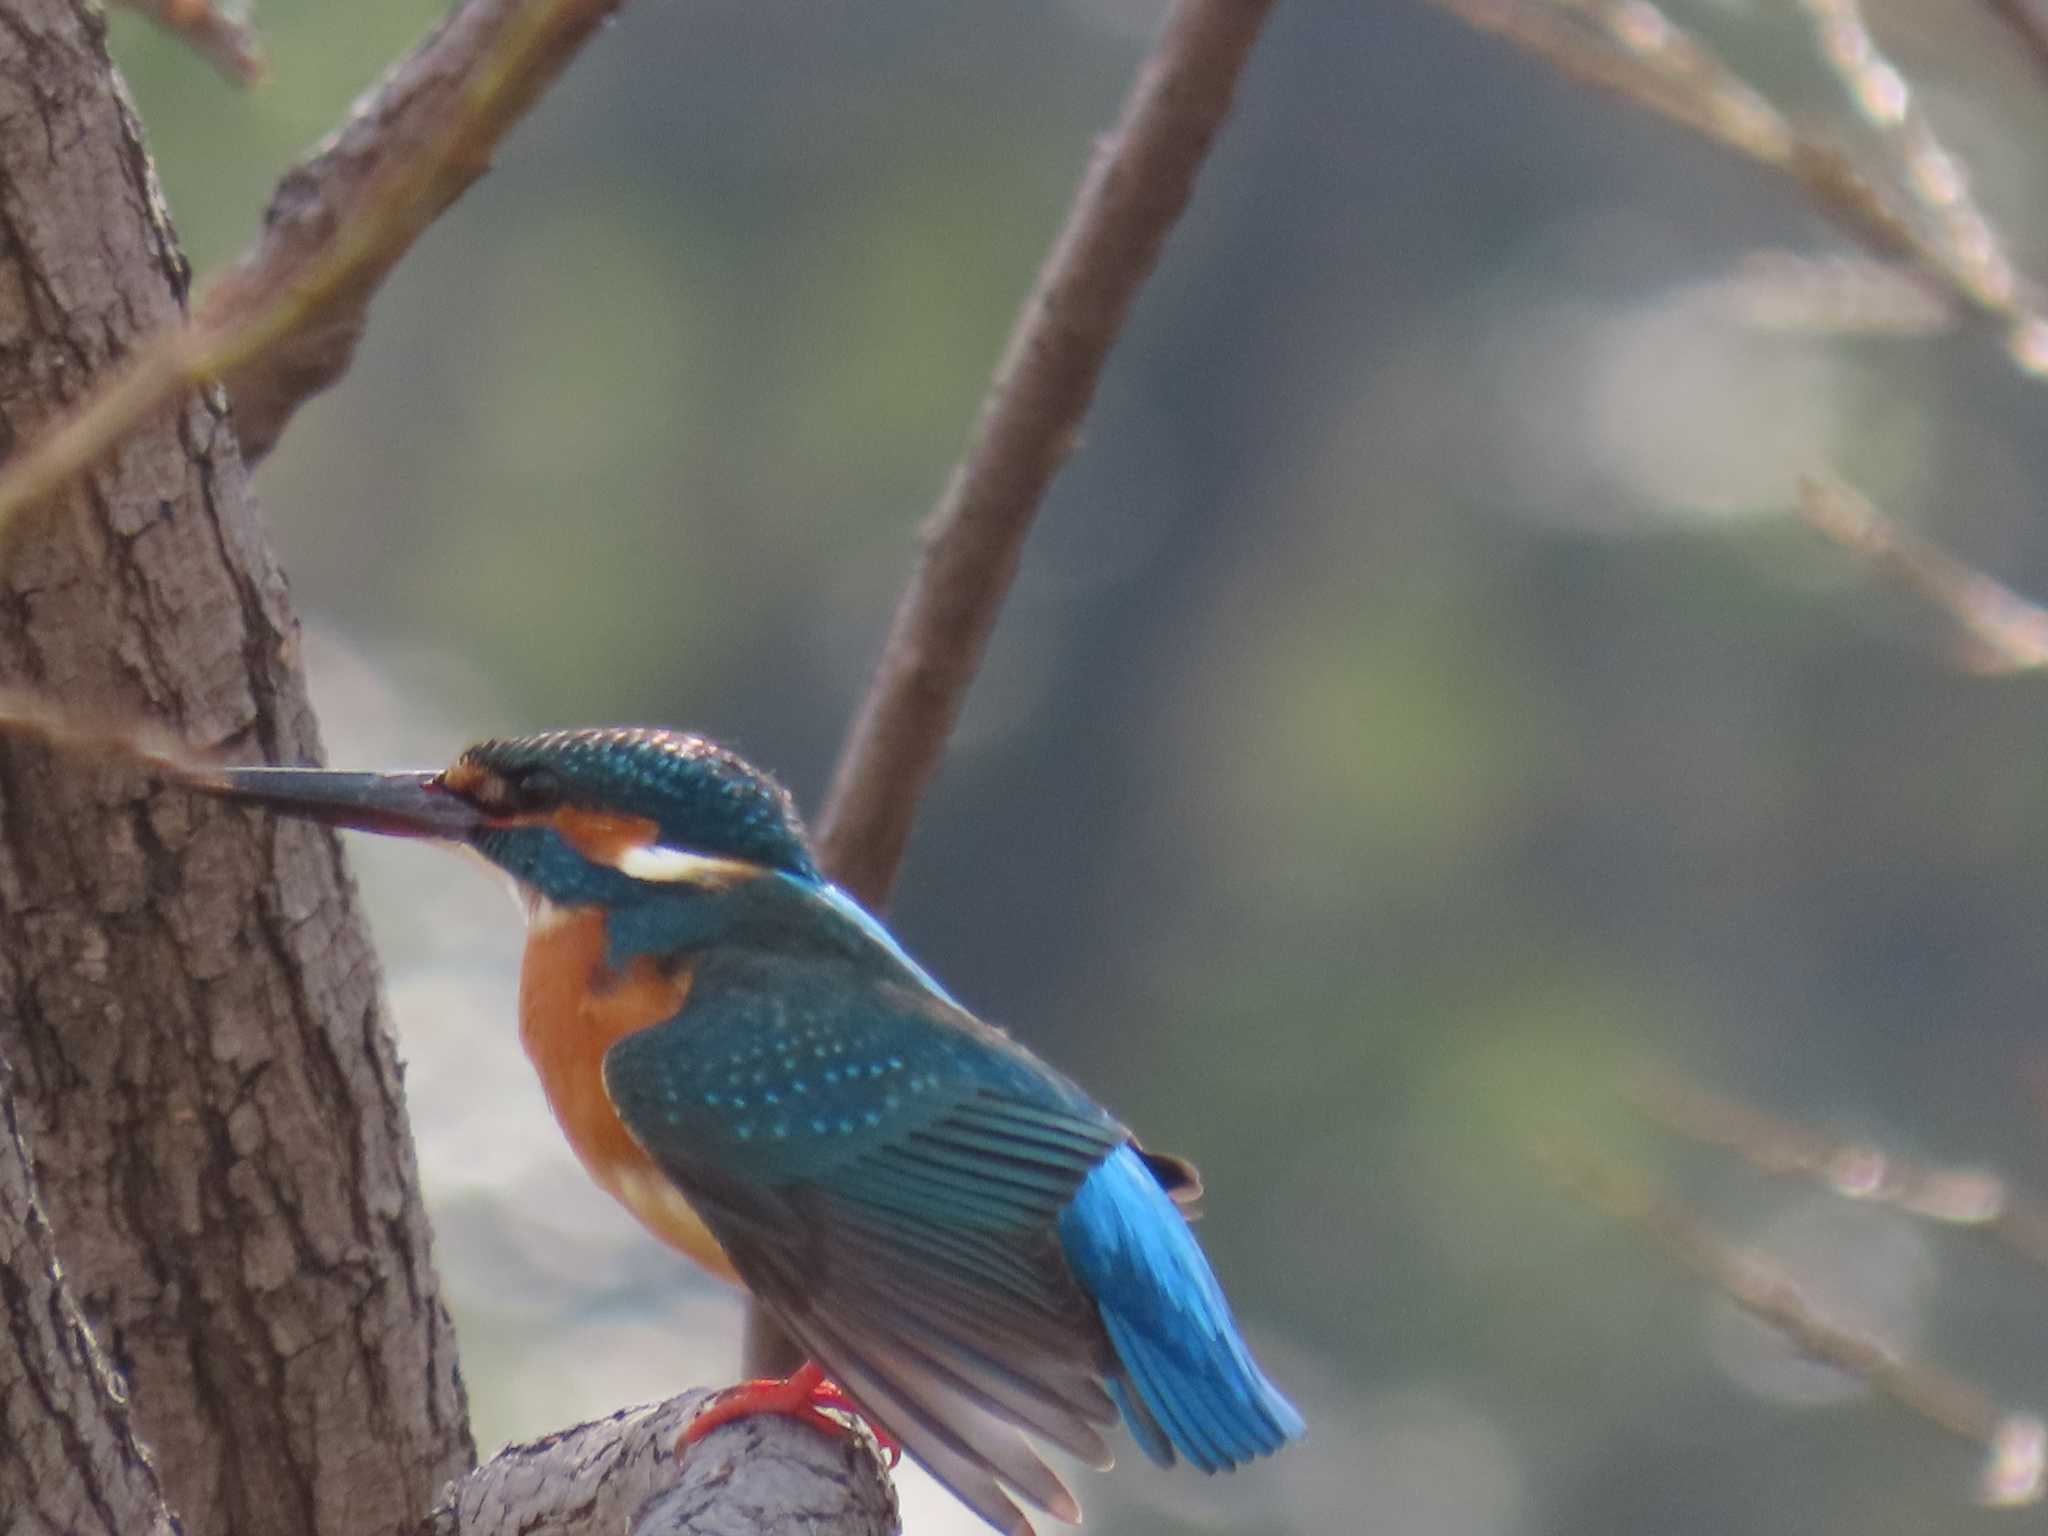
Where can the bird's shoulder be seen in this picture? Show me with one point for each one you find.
(793, 1060)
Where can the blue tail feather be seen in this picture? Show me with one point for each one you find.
(1187, 1374)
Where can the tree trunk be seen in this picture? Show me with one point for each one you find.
(192, 1012)
(69, 1463)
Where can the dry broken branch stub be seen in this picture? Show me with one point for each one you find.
(757, 1477)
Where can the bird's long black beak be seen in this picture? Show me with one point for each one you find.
(397, 804)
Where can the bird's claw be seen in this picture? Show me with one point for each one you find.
(806, 1397)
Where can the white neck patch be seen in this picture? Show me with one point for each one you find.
(662, 865)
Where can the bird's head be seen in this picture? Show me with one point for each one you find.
(575, 817)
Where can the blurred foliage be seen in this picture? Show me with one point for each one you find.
(1417, 706)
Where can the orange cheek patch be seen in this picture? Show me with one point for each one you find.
(603, 838)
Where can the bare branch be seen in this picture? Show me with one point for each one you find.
(283, 321)
(2015, 1443)
(759, 1475)
(413, 145)
(228, 44)
(1857, 1170)
(1136, 188)
(2004, 631)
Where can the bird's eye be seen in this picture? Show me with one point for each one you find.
(536, 789)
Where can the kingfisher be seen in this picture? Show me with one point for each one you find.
(965, 1244)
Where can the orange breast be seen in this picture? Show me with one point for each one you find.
(572, 1009)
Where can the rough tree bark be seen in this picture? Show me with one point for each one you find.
(69, 1462)
(186, 996)
(754, 1477)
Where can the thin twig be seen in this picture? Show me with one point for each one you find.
(1857, 1170)
(1140, 180)
(2015, 1443)
(1650, 62)
(1640, 55)
(70, 729)
(1973, 255)
(282, 321)
(1689, 80)
(229, 44)
(2005, 631)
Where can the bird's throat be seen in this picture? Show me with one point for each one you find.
(573, 1008)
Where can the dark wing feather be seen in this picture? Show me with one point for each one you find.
(886, 1174)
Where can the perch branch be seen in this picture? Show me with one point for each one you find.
(2016, 1444)
(1137, 186)
(228, 44)
(282, 323)
(619, 1474)
(2005, 632)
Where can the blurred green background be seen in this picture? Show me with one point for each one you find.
(1417, 707)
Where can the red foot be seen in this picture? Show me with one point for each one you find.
(806, 1397)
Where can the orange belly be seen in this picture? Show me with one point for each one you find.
(572, 1009)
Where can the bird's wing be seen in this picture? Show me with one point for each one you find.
(886, 1174)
